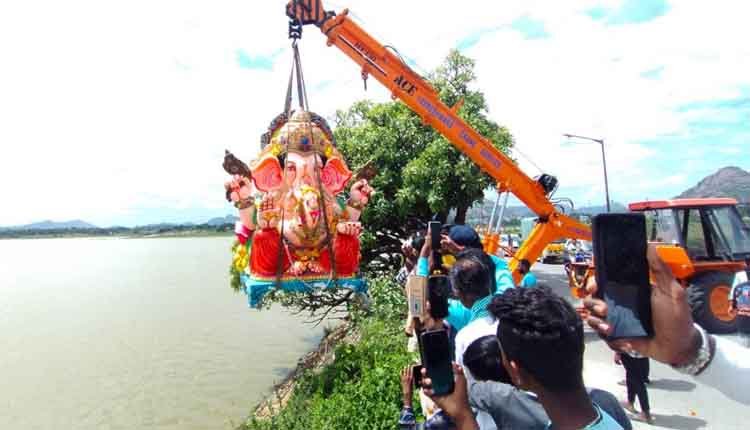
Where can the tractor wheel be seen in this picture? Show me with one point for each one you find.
(708, 295)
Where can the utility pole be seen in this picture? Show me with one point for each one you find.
(604, 161)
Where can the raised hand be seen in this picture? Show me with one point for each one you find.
(449, 246)
(455, 404)
(675, 339)
(268, 211)
(360, 192)
(349, 228)
(239, 188)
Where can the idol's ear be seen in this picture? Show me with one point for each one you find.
(267, 174)
(335, 175)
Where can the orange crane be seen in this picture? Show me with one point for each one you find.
(704, 241)
(409, 87)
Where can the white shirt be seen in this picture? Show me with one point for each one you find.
(728, 372)
(474, 330)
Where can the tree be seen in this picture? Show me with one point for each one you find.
(420, 174)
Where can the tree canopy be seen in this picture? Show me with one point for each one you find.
(420, 173)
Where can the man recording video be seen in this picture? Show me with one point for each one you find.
(460, 238)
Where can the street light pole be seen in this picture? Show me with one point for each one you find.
(606, 184)
(604, 162)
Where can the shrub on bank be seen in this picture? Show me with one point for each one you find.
(360, 389)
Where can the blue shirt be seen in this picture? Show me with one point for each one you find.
(503, 277)
(529, 280)
(602, 422)
(458, 315)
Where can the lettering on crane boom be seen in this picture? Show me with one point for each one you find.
(489, 156)
(435, 112)
(364, 51)
(405, 85)
(466, 138)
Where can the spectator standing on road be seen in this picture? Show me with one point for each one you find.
(636, 368)
(528, 280)
(739, 305)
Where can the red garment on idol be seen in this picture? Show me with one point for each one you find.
(264, 255)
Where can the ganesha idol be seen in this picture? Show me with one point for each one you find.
(297, 230)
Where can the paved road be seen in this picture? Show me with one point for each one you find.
(677, 401)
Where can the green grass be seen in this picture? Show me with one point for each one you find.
(360, 389)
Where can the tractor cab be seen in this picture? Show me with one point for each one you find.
(716, 240)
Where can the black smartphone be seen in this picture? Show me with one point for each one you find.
(622, 275)
(416, 371)
(435, 237)
(436, 356)
(438, 293)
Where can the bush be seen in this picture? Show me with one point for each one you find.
(361, 388)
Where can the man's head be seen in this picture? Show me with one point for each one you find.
(463, 237)
(541, 338)
(472, 276)
(482, 357)
(438, 292)
(524, 266)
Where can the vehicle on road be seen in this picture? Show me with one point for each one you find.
(716, 245)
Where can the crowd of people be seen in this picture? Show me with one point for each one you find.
(518, 350)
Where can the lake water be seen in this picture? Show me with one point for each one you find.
(134, 334)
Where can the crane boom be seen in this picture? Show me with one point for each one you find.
(413, 90)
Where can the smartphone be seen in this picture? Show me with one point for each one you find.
(436, 357)
(416, 371)
(435, 237)
(438, 293)
(435, 227)
(622, 275)
(416, 293)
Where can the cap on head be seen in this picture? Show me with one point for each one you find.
(465, 236)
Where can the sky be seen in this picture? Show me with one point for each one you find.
(118, 113)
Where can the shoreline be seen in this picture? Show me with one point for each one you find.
(175, 234)
(315, 360)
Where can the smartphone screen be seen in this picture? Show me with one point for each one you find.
(416, 371)
(437, 360)
(435, 227)
(622, 273)
(438, 292)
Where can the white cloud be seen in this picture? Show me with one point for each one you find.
(106, 107)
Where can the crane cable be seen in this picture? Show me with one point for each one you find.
(295, 33)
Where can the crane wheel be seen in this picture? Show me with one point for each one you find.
(708, 295)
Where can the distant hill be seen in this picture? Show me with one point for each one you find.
(480, 214)
(53, 225)
(730, 181)
(48, 225)
(595, 210)
(229, 219)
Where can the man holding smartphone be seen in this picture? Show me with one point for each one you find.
(677, 341)
(534, 325)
